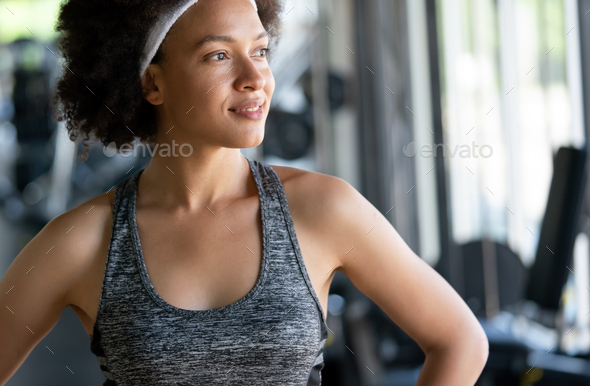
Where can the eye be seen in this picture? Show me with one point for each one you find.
(217, 55)
(265, 51)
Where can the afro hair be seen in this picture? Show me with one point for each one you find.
(98, 94)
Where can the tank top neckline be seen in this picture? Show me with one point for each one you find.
(147, 284)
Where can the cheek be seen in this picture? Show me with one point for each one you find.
(201, 91)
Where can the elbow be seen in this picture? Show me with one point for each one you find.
(472, 345)
(474, 351)
(479, 347)
(469, 345)
(484, 350)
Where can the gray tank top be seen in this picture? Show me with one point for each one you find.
(273, 335)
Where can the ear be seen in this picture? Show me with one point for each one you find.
(150, 85)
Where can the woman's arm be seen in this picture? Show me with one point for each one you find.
(408, 290)
(37, 286)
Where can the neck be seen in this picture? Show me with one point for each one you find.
(205, 177)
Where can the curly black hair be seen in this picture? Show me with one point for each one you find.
(99, 94)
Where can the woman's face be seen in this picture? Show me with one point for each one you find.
(215, 64)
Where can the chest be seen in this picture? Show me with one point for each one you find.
(204, 260)
(213, 259)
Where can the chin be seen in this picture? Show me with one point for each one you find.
(242, 139)
(254, 141)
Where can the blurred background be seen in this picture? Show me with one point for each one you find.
(465, 122)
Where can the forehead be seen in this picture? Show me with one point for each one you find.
(236, 18)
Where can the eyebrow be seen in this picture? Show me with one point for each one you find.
(218, 38)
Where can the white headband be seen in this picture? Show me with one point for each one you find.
(160, 29)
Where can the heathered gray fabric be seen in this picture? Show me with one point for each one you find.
(274, 335)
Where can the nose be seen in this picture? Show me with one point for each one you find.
(249, 75)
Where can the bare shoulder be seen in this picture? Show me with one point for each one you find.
(83, 232)
(85, 216)
(63, 250)
(322, 203)
(67, 245)
(314, 191)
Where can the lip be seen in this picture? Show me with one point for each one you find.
(248, 104)
(250, 114)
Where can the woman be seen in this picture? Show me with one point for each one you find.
(229, 298)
